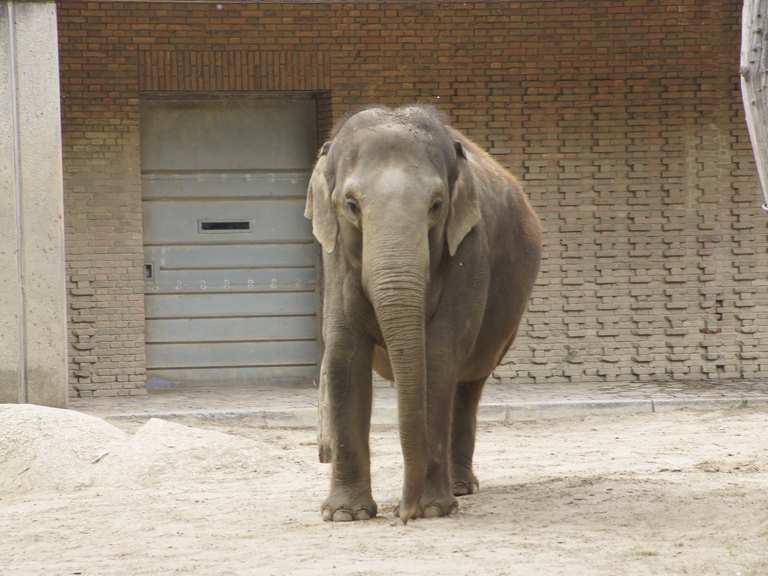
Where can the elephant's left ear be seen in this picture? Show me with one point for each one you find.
(464, 212)
(319, 207)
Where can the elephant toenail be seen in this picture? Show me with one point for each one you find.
(342, 516)
(460, 489)
(327, 516)
(362, 515)
(432, 512)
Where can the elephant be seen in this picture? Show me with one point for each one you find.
(430, 250)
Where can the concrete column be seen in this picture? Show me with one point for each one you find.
(33, 324)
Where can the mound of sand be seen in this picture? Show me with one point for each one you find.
(161, 451)
(62, 450)
(50, 449)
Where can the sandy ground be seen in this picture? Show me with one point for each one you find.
(666, 493)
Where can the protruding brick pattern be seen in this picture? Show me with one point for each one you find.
(623, 120)
(102, 203)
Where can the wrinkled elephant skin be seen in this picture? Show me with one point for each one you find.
(430, 252)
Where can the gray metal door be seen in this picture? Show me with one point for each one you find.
(230, 264)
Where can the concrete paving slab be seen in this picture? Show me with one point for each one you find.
(293, 407)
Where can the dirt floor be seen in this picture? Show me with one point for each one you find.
(665, 493)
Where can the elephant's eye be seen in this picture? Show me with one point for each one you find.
(352, 205)
(435, 207)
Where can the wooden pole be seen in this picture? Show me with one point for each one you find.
(754, 83)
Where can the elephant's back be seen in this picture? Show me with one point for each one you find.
(512, 241)
(507, 212)
(512, 227)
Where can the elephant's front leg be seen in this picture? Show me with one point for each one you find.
(438, 499)
(346, 369)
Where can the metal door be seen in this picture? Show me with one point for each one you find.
(230, 263)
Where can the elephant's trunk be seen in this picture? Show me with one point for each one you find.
(395, 269)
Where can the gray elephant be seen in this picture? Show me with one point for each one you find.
(430, 252)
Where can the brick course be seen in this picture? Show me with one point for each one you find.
(623, 120)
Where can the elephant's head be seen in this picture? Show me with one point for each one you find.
(394, 190)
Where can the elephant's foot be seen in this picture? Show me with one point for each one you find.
(433, 506)
(464, 482)
(344, 506)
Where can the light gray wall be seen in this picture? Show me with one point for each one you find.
(33, 344)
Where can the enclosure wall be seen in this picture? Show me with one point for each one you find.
(623, 120)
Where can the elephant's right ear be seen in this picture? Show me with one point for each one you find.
(319, 207)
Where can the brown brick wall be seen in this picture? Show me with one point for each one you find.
(623, 119)
(102, 189)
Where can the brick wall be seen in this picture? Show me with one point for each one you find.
(623, 119)
(102, 203)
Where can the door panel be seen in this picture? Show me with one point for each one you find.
(229, 280)
(235, 329)
(230, 262)
(228, 134)
(231, 354)
(229, 305)
(224, 256)
(225, 221)
(235, 184)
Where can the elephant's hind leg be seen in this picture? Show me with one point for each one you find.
(463, 437)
